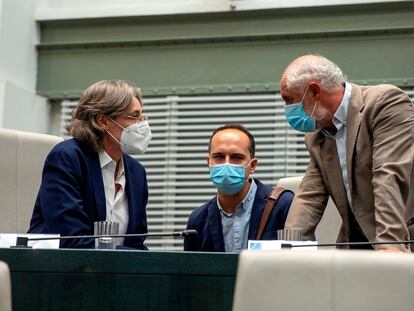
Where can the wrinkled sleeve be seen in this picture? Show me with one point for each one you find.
(392, 164)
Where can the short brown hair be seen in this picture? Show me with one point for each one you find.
(241, 128)
(108, 97)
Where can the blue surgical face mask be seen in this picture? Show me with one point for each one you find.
(228, 178)
(297, 117)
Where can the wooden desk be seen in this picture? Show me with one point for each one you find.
(120, 280)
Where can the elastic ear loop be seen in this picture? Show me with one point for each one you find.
(113, 135)
(314, 107)
(125, 129)
(114, 138)
(249, 164)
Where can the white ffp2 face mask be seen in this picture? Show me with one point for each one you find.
(134, 138)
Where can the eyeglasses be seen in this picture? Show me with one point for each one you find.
(138, 117)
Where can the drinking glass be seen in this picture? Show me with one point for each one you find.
(105, 228)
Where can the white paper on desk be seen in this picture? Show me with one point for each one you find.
(9, 239)
(277, 245)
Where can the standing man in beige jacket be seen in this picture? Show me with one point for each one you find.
(361, 144)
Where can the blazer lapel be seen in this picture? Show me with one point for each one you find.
(355, 107)
(214, 224)
(97, 185)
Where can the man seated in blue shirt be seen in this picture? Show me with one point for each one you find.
(232, 217)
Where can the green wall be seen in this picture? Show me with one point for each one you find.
(226, 52)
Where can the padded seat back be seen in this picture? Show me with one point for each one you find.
(22, 155)
(5, 288)
(332, 280)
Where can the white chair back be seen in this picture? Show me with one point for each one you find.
(324, 281)
(5, 288)
(22, 156)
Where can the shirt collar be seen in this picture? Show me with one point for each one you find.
(107, 162)
(104, 158)
(340, 117)
(341, 113)
(245, 203)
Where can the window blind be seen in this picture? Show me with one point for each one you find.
(176, 159)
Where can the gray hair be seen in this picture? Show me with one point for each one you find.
(108, 97)
(314, 68)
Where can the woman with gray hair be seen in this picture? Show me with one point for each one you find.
(92, 176)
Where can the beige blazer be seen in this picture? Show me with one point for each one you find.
(380, 154)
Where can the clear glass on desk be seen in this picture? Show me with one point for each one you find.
(289, 235)
(105, 228)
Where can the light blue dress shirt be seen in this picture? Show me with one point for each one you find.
(236, 226)
(339, 120)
